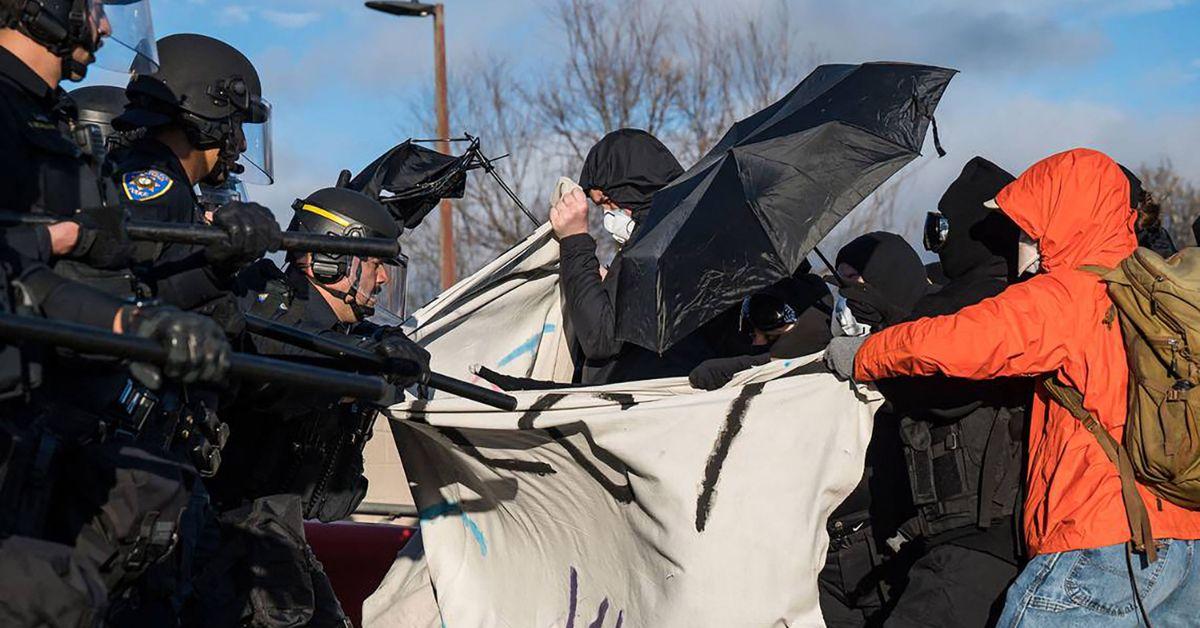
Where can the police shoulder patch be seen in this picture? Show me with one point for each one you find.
(145, 185)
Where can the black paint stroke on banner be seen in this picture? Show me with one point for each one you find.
(729, 431)
(625, 399)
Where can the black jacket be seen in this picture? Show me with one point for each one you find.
(154, 185)
(284, 439)
(590, 312)
(964, 440)
(43, 171)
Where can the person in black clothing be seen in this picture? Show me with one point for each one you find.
(1148, 228)
(962, 440)
(195, 113)
(104, 508)
(788, 320)
(881, 279)
(620, 175)
(297, 454)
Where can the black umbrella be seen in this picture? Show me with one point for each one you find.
(749, 212)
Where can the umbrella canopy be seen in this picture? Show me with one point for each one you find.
(747, 214)
(410, 180)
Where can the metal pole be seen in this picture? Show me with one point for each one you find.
(449, 274)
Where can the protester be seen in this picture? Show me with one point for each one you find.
(882, 278)
(1150, 232)
(963, 440)
(620, 175)
(788, 320)
(1075, 206)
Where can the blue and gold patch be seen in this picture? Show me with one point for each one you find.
(146, 185)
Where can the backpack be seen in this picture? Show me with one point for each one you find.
(1157, 302)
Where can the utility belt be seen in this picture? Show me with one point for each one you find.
(168, 421)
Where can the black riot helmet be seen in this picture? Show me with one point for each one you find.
(347, 213)
(97, 105)
(213, 92)
(122, 28)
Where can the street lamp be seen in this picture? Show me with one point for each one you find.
(421, 9)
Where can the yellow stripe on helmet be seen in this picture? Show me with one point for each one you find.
(324, 213)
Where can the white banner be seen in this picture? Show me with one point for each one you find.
(639, 504)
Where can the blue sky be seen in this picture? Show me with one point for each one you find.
(1037, 75)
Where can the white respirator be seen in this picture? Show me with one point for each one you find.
(619, 225)
(843, 323)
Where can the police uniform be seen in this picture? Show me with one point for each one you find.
(43, 171)
(155, 187)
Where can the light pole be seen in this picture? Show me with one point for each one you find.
(421, 9)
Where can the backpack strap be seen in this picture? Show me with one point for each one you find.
(1135, 509)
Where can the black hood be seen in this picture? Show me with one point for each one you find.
(629, 166)
(980, 240)
(889, 266)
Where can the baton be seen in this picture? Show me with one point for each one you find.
(81, 338)
(375, 362)
(204, 235)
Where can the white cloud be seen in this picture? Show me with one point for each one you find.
(234, 14)
(289, 19)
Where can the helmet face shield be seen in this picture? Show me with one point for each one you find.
(214, 196)
(257, 157)
(129, 46)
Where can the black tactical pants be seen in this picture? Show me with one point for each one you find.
(953, 586)
(851, 591)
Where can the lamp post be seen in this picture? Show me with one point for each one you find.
(421, 9)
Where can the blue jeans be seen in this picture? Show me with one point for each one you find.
(1092, 588)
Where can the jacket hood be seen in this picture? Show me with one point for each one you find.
(629, 166)
(981, 242)
(889, 265)
(1075, 205)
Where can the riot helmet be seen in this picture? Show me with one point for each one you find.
(213, 92)
(347, 213)
(96, 106)
(117, 34)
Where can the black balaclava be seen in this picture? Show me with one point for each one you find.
(894, 277)
(629, 166)
(980, 239)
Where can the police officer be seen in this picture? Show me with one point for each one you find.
(331, 296)
(72, 551)
(202, 117)
(297, 454)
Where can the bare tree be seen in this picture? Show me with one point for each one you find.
(1179, 199)
(630, 64)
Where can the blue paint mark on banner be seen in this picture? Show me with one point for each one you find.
(528, 346)
(443, 509)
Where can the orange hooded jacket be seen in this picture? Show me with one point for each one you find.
(1076, 206)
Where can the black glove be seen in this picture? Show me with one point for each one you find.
(395, 346)
(715, 373)
(251, 231)
(102, 241)
(197, 350)
(871, 307)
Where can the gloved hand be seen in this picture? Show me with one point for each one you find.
(839, 355)
(394, 345)
(251, 231)
(715, 373)
(870, 306)
(102, 241)
(197, 350)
